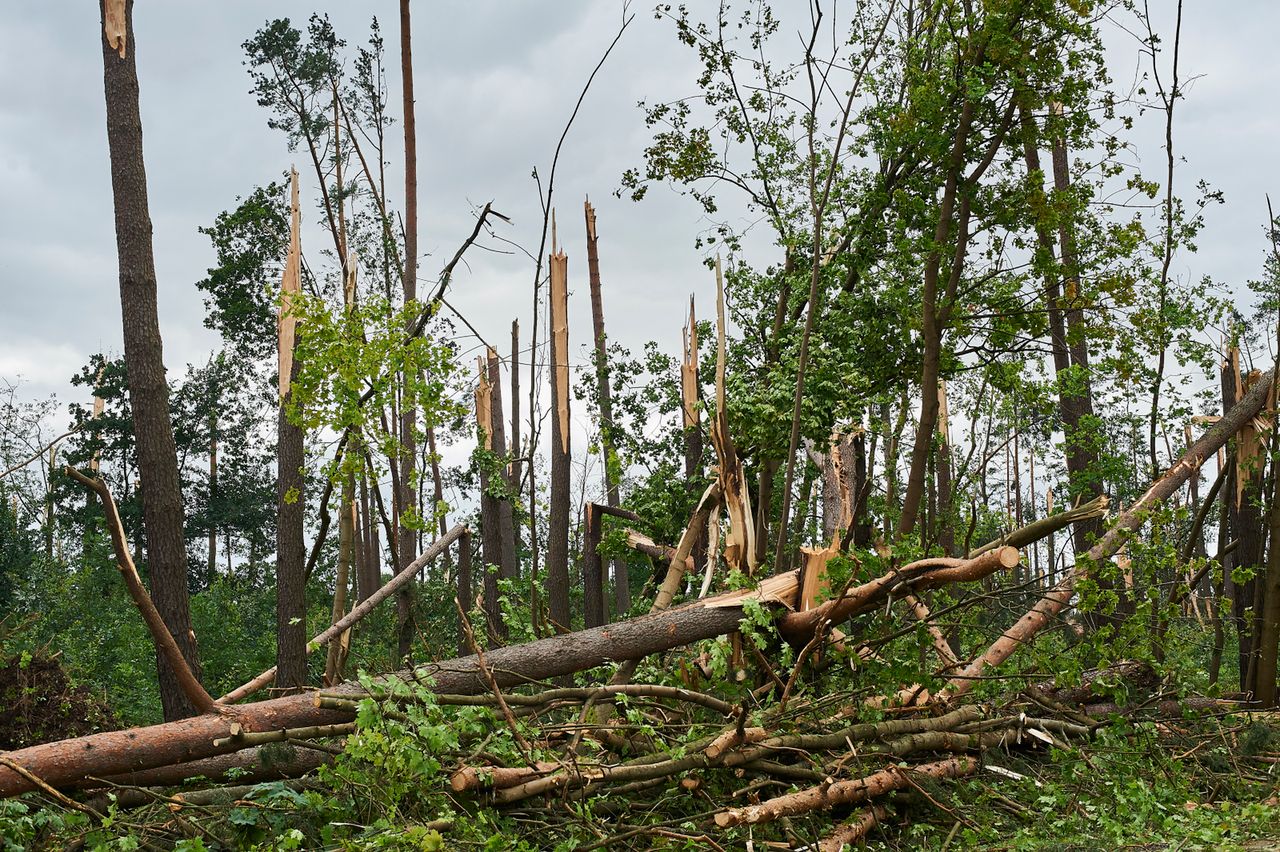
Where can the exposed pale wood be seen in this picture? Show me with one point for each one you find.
(814, 574)
(290, 283)
(557, 582)
(114, 26)
(740, 544)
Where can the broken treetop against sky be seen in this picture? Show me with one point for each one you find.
(495, 83)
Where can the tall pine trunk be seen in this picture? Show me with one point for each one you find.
(405, 496)
(621, 587)
(163, 514)
(291, 607)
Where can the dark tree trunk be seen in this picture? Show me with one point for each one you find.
(405, 496)
(934, 311)
(1070, 356)
(593, 608)
(490, 525)
(621, 583)
(370, 576)
(291, 556)
(507, 565)
(1244, 518)
(464, 585)
(163, 517)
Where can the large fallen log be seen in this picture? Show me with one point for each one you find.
(109, 753)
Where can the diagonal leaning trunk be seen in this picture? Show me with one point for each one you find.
(163, 515)
(1057, 598)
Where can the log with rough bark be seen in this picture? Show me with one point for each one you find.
(110, 753)
(1057, 598)
(157, 457)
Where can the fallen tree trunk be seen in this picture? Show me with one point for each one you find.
(843, 792)
(68, 762)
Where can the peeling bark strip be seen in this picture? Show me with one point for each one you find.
(740, 545)
(558, 521)
(290, 283)
(507, 567)
(1057, 598)
(844, 792)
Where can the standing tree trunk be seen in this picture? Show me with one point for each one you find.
(336, 659)
(558, 523)
(370, 576)
(946, 535)
(621, 583)
(163, 516)
(593, 608)
(490, 527)
(291, 609)
(213, 492)
(464, 585)
(507, 566)
(405, 497)
(1070, 351)
(1245, 521)
(935, 309)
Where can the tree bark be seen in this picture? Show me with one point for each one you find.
(405, 496)
(507, 567)
(490, 525)
(593, 608)
(464, 585)
(163, 514)
(291, 605)
(933, 310)
(621, 583)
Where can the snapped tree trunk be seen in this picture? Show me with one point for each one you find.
(490, 526)
(291, 606)
(622, 591)
(558, 522)
(163, 515)
(508, 569)
(405, 496)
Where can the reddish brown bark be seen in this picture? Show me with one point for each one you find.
(163, 514)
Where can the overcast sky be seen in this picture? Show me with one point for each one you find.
(495, 83)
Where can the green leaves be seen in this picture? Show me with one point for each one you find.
(356, 362)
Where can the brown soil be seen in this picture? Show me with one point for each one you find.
(40, 704)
